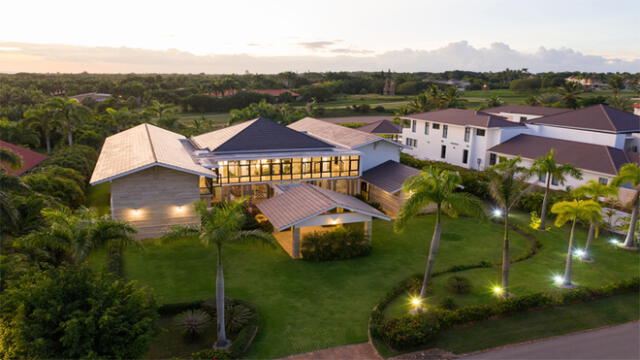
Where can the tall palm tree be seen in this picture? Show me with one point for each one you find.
(548, 167)
(506, 186)
(435, 186)
(569, 92)
(220, 225)
(593, 190)
(158, 110)
(9, 160)
(9, 183)
(68, 113)
(586, 210)
(42, 120)
(630, 174)
(616, 83)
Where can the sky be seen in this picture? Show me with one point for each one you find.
(234, 36)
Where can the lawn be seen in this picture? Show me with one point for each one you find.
(305, 306)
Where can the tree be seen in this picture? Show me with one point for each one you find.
(548, 167)
(616, 83)
(569, 92)
(42, 120)
(9, 160)
(158, 110)
(593, 190)
(9, 183)
(71, 236)
(586, 210)
(220, 225)
(493, 101)
(438, 187)
(72, 313)
(506, 186)
(122, 118)
(630, 174)
(67, 113)
(620, 102)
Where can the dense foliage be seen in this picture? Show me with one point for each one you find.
(71, 312)
(344, 242)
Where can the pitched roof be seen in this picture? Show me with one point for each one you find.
(597, 117)
(381, 127)
(259, 134)
(599, 158)
(302, 202)
(30, 158)
(336, 134)
(94, 95)
(142, 147)
(526, 109)
(464, 118)
(389, 176)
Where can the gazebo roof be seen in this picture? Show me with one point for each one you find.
(302, 202)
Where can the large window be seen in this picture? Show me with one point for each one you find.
(413, 126)
(443, 151)
(445, 131)
(426, 128)
(465, 156)
(244, 171)
(492, 159)
(467, 134)
(480, 132)
(411, 142)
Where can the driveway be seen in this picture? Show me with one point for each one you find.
(616, 342)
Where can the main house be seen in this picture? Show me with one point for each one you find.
(597, 139)
(299, 175)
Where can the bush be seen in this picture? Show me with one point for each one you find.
(211, 354)
(379, 108)
(237, 314)
(448, 303)
(410, 331)
(459, 285)
(523, 303)
(192, 322)
(338, 244)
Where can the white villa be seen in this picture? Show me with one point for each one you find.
(597, 139)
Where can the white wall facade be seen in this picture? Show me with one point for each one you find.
(585, 136)
(377, 153)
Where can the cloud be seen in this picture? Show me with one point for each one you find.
(316, 45)
(29, 57)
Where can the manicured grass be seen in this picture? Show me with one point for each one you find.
(540, 324)
(305, 306)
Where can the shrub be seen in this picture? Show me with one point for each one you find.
(211, 354)
(523, 303)
(237, 315)
(410, 331)
(192, 322)
(448, 303)
(459, 285)
(379, 108)
(340, 243)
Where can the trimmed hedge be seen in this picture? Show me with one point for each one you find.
(338, 244)
(411, 331)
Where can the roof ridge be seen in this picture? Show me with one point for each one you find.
(153, 150)
(606, 114)
(613, 163)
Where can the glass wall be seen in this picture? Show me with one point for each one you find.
(244, 171)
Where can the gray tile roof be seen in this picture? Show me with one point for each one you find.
(389, 176)
(336, 134)
(526, 109)
(381, 127)
(464, 118)
(597, 117)
(260, 134)
(299, 203)
(598, 158)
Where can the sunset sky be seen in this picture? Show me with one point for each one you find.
(272, 36)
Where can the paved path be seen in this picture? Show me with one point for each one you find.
(616, 342)
(362, 351)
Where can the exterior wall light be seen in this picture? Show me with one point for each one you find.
(180, 209)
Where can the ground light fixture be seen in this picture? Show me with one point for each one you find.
(497, 290)
(579, 253)
(558, 280)
(614, 242)
(497, 212)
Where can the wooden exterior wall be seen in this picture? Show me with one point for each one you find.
(391, 204)
(154, 199)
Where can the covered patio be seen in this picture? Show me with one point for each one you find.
(300, 209)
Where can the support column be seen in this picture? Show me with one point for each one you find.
(295, 246)
(368, 230)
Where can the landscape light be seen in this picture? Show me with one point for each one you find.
(497, 290)
(497, 212)
(580, 253)
(558, 280)
(416, 301)
(614, 242)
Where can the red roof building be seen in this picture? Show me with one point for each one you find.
(30, 158)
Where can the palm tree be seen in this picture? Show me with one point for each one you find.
(41, 119)
(121, 118)
(9, 183)
(506, 186)
(435, 186)
(569, 92)
(493, 101)
(593, 190)
(220, 225)
(586, 210)
(630, 174)
(10, 160)
(548, 167)
(68, 113)
(158, 110)
(616, 83)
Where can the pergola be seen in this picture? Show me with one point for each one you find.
(298, 209)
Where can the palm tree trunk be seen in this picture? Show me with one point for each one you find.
(47, 139)
(631, 233)
(505, 256)
(222, 342)
(433, 249)
(543, 213)
(70, 137)
(587, 247)
(569, 262)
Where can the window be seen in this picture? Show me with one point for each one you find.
(465, 156)
(492, 159)
(523, 118)
(480, 132)
(445, 131)
(603, 181)
(467, 134)
(411, 142)
(443, 151)
(542, 178)
(435, 126)
(554, 181)
(413, 126)
(426, 128)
